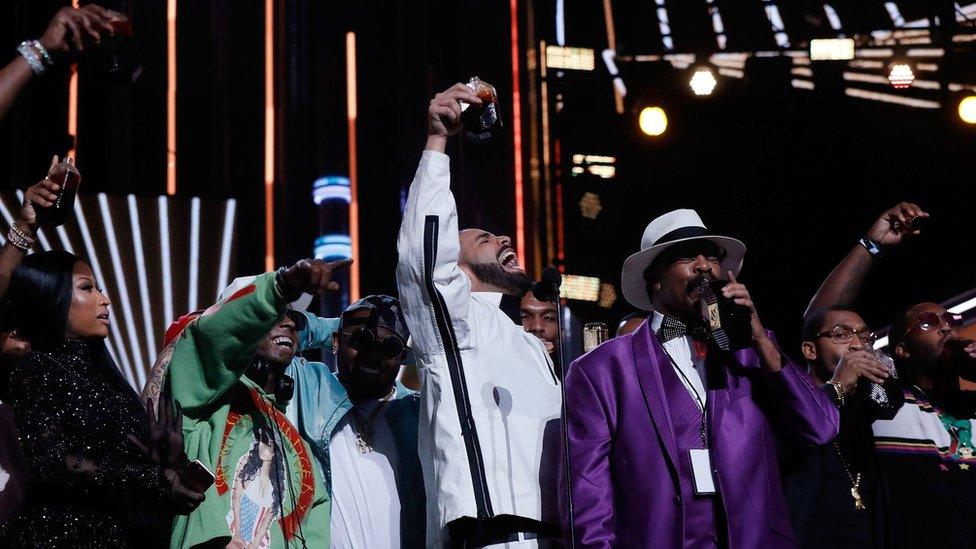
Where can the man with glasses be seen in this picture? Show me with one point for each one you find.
(837, 483)
(362, 425)
(927, 451)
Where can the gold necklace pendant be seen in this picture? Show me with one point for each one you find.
(363, 443)
(858, 503)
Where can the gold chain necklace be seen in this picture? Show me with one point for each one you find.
(855, 480)
(364, 432)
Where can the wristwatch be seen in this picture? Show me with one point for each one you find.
(871, 246)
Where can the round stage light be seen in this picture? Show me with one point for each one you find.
(967, 109)
(900, 75)
(703, 81)
(653, 121)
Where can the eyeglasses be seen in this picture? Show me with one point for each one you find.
(391, 346)
(845, 334)
(929, 321)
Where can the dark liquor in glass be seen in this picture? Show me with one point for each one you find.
(481, 122)
(68, 178)
(113, 61)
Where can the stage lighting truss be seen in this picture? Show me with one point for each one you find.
(703, 81)
(901, 75)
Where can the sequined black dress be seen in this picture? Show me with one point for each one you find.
(87, 481)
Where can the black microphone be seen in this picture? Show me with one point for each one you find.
(547, 289)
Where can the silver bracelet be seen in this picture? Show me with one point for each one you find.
(27, 51)
(45, 56)
(19, 239)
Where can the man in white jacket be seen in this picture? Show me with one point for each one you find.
(489, 434)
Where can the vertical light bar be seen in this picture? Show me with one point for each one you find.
(664, 25)
(143, 280)
(119, 355)
(65, 242)
(517, 137)
(618, 97)
(170, 97)
(895, 13)
(73, 110)
(194, 253)
(833, 18)
(122, 290)
(560, 234)
(717, 25)
(164, 257)
(269, 135)
(776, 23)
(560, 22)
(222, 274)
(352, 113)
(550, 237)
(73, 102)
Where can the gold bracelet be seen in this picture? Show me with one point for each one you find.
(840, 390)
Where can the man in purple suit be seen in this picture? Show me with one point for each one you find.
(670, 437)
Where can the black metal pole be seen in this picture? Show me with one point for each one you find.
(565, 426)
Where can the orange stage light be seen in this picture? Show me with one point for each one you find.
(351, 115)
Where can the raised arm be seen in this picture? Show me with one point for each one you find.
(62, 41)
(215, 349)
(434, 291)
(843, 285)
(24, 229)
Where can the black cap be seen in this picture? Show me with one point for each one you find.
(384, 311)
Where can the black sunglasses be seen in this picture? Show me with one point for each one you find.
(390, 346)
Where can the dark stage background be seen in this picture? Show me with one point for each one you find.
(797, 174)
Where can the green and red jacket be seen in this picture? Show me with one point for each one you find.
(222, 410)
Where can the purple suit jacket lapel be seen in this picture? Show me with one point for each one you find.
(649, 357)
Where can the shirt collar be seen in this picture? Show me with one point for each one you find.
(656, 320)
(494, 297)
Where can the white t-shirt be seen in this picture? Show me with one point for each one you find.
(365, 504)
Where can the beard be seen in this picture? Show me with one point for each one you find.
(493, 274)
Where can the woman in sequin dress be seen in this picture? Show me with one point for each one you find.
(89, 485)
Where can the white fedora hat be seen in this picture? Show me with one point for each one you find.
(300, 304)
(669, 229)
